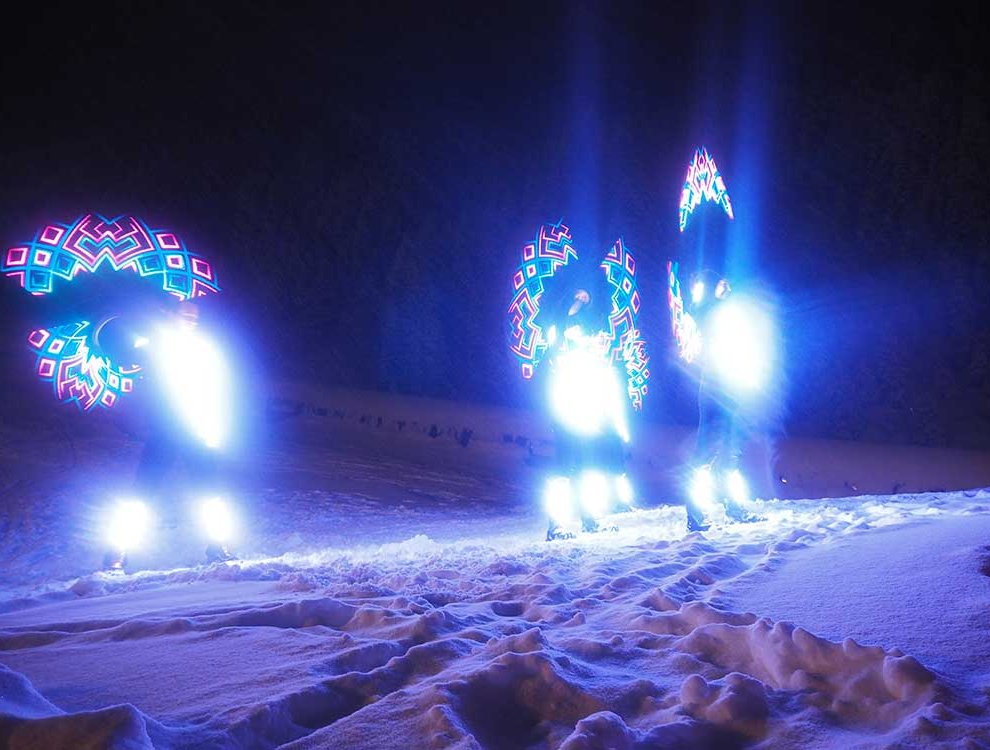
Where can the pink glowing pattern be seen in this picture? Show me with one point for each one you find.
(78, 372)
(686, 335)
(93, 242)
(622, 342)
(68, 355)
(625, 340)
(703, 182)
(541, 258)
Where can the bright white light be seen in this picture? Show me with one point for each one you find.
(557, 500)
(624, 490)
(197, 382)
(128, 525)
(141, 342)
(697, 291)
(703, 489)
(738, 489)
(217, 520)
(585, 393)
(741, 344)
(594, 494)
(690, 342)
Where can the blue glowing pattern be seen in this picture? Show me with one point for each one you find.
(540, 260)
(685, 331)
(703, 182)
(78, 371)
(623, 341)
(63, 251)
(67, 355)
(626, 341)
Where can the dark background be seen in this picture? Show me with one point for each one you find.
(365, 175)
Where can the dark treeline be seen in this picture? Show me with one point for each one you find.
(366, 182)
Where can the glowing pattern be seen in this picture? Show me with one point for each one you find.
(63, 251)
(623, 340)
(703, 182)
(77, 372)
(541, 259)
(685, 330)
(66, 354)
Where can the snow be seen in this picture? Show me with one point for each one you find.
(394, 590)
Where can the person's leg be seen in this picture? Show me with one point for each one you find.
(701, 487)
(157, 457)
(565, 459)
(148, 486)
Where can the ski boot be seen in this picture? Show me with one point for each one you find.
(735, 513)
(557, 532)
(219, 553)
(114, 562)
(696, 522)
(738, 498)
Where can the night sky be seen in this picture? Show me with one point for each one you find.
(365, 175)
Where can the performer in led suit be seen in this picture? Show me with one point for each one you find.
(185, 409)
(717, 477)
(573, 326)
(588, 407)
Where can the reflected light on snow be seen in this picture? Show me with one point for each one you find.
(128, 525)
(216, 518)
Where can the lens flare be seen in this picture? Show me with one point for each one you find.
(128, 525)
(585, 393)
(216, 518)
(557, 500)
(741, 346)
(624, 490)
(737, 487)
(594, 494)
(197, 382)
(703, 489)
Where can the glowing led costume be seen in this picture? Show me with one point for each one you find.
(703, 182)
(541, 259)
(77, 372)
(715, 339)
(69, 355)
(123, 243)
(622, 341)
(581, 352)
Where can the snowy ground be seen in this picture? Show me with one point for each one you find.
(394, 591)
